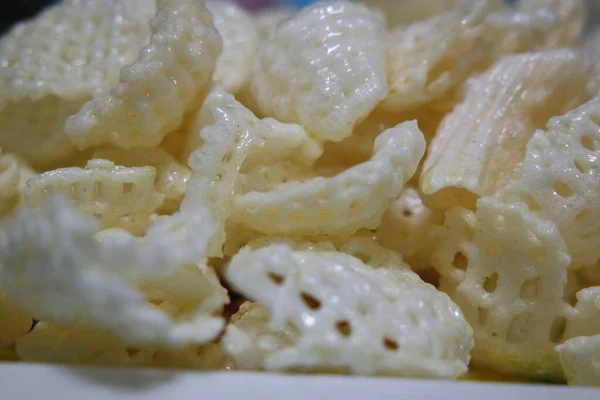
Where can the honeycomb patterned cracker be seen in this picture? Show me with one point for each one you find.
(171, 77)
(51, 65)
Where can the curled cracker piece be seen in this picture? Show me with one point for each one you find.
(324, 68)
(51, 65)
(13, 322)
(351, 317)
(560, 179)
(119, 196)
(170, 77)
(507, 268)
(479, 144)
(232, 137)
(53, 266)
(579, 359)
(240, 36)
(352, 200)
(171, 175)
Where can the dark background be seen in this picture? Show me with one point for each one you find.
(12, 11)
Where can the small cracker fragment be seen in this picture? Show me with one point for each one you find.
(171, 77)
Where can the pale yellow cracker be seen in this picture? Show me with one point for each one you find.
(171, 77)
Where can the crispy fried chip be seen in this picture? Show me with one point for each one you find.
(479, 144)
(119, 196)
(51, 65)
(171, 175)
(54, 267)
(506, 268)
(354, 199)
(241, 39)
(170, 77)
(560, 179)
(350, 316)
(324, 68)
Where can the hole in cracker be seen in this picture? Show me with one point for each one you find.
(557, 330)
(276, 278)
(460, 261)
(491, 283)
(312, 302)
(390, 344)
(589, 143)
(531, 202)
(562, 189)
(127, 187)
(581, 167)
(583, 216)
(344, 328)
(530, 288)
(132, 351)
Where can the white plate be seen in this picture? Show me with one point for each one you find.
(45, 382)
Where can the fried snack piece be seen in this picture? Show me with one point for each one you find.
(479, 144)
(328, 311)
(119, 196)
(324, 68)
(230, 137)
(57, 266)
(560, 179)
(354, 199)
(506, 268)
(51, 65)
(171, 77)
